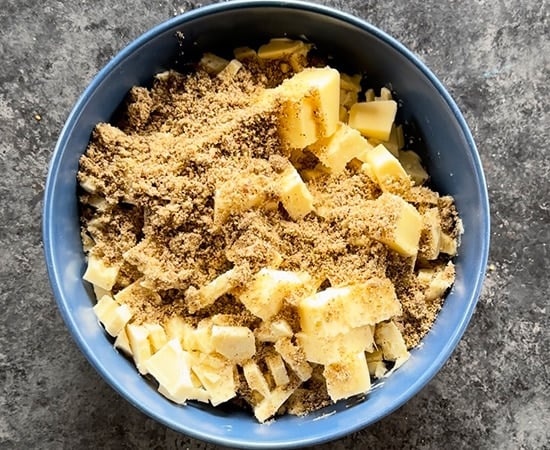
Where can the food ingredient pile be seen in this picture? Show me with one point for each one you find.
(256, 232)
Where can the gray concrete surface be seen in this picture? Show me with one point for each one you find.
(493, 392)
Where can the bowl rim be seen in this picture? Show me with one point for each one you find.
(53, 169)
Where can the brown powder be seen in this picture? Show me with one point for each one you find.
(155, 174)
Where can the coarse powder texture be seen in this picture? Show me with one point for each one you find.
(150, 182)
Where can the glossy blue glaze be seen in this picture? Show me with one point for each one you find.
(450, 154)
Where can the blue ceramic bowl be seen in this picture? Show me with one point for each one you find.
(449, 153)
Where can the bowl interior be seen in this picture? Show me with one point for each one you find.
(449, 154)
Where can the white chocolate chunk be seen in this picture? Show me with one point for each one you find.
(157, 336)
(138, 335)
(237, 344)
(210, 292)
(389, 339)
(377, 366)
(113, 316)
(412, 164)
(339, 148)
(402, 233)
(347, 377)
(270, 405)
(265, 294)
(255, 379)
(338, 310)
(310, 104)
(277, 368)
(99, 274)
(216, 375)
(294, 194)
(213, 64)
(430, 236)
(122, 343)
(373, 119)
(387, 169)
(231, 69)
(294, 357)
(280, 48)
(447, 244)
(273, 331)
(325, 350)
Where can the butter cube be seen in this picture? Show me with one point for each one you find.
(347, 377)
(231, 69)
(294, 194)
(280, 48)
(264, 296)
(277, 368)
(157, 336)
(338, 310)
(430, 235)
(447, 244)
(441, 279)
(273, 331)
(388, 171)
(413, 166)
(171, 367)
(100, 274)
(138, 335)
(210, 292)
(310, 104)
(122, 343)
(236, 343)
(269, 406)
(341, 147)
(255, 378)
(388, 337)
(373, 119)
(212, 63)
(399, 225)
(216, 375)
(244, 53)
(375, 361)
(294, 357)
(113, 316)
(325, 350)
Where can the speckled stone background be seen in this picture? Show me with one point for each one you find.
(493, 392)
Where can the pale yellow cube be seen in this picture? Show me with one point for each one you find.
(273, 331)
(402, 232)
(212, 63)
(310, 104)
(448, 244)
(265, 294)
(412, 164)
(122, 343)
(100, 274)
(138, 335)
(341, 147)
(325, 350)
(244, 53)
(294, 356)
(255, 378)
(216, 375)
(113, 316)
(373, 119)
(236, 343)
(157, 336)
(377, 366)
(338, 310)
(294, 194)
(388, 337)
(277, 369)
(231, 69)
(430, 235)
(280, 48)
(347, 377)
(388, 171)
(210, 292)
(269, 406)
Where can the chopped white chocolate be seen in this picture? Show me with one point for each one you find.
(377, 366)
(347, 377)
(277, 369)
(100, 274)
(373, 119)
(113, 316)
(138, 335)
(157, 336)
(273, 331)
(325, 350)
(280, 48)
(294, 356)
(447, 244)
(339, 148)
(216, 375)
(122, 343)
(338, 310)
(265, 294)
(213, 64)
(235, 343)
(387, 169)
(430, 236)
(244, 53)
(294, 194)
(270, 405)
(388, 337)
(413, 166)
(231, 69)
(254, 378)
(210, 292)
